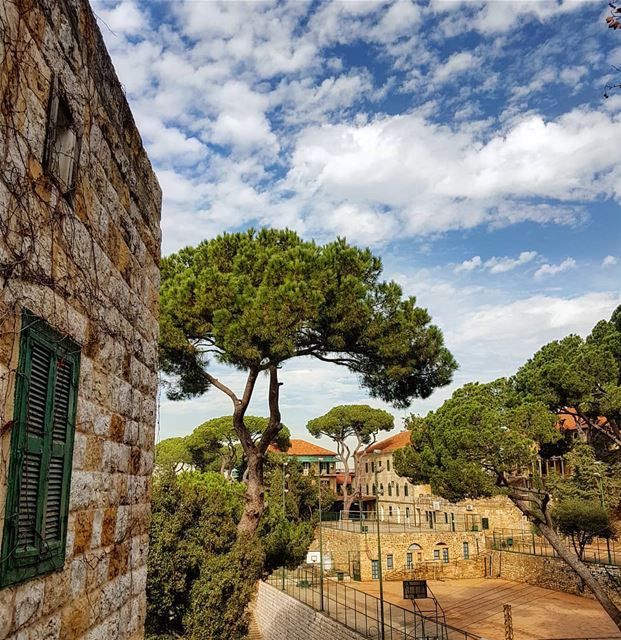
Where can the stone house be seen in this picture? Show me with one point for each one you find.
(414, 505)
(79, 274)
(316, 461)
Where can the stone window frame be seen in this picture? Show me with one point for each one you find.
(58, 106)
(25, 555)
(390, 563)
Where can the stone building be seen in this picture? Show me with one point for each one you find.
(79, 274)
(316, 461)
(404, 502)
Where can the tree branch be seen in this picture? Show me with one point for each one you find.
(274, 423)
(219, 385)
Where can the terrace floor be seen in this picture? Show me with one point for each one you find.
(476, 605)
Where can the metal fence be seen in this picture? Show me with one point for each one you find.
(394, 524)
(600, 551)
(361, 611)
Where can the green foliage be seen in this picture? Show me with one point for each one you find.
(582, 521)
(287, 525)
(584, 375)
(214, 444)
(220, 595)
(588, 478)
(193, 521)
(475, 441)
(352, 420)
(256, 299)
(172, 453)
(200, 575)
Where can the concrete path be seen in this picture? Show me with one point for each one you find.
(476, 605)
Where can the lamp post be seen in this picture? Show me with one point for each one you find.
(379, 552)
(284, 510)
(320, 542)
(600, 483)
(284, 490)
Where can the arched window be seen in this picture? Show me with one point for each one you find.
(397, 489)
(381, 489)
(390, 511)
(367, 490)
(389, 489)
(405, 489)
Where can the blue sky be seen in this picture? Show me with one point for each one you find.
(468, 143)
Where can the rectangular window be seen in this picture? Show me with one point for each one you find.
(445, 555)
(436, 554)
(408, 560)
(389, 561)
(366, 467)
(62, 145)
(375, 569)
(466, 551)
(35, 526)
(485, 523)
(387, 465)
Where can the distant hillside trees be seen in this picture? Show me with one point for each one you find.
(359, 423)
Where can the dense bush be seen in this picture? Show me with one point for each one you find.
(192, 544)
(201, 574)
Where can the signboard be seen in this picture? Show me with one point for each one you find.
(414, 589)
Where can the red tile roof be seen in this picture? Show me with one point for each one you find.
(569, 420)
(303, 448)
(398, 441)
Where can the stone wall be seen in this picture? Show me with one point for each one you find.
(281, 617)
(455, 570)
(88, 265)
(343, 546)
(547, 572)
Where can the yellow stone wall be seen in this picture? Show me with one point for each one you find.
(90, 268)
(397, 507)
(343, 546)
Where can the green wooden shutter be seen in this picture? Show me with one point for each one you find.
(41, 452)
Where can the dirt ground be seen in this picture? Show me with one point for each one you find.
(476, 605)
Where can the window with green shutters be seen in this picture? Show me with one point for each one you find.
(35, 525)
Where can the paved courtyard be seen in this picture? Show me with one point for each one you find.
(476, 605)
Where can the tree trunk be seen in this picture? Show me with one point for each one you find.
(347, 499)
(572, 560)
(253, 509)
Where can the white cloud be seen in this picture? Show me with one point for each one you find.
(496, 264)
(469, 265)
(464, 181)
(124, 18)
(502, 265)
(609, 261)
(452, 70)
(552, 269)
(499, 17)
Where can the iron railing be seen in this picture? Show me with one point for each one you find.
(361, 611)
(367, 522)
(600, 551)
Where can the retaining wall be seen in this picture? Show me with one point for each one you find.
(281, 617)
